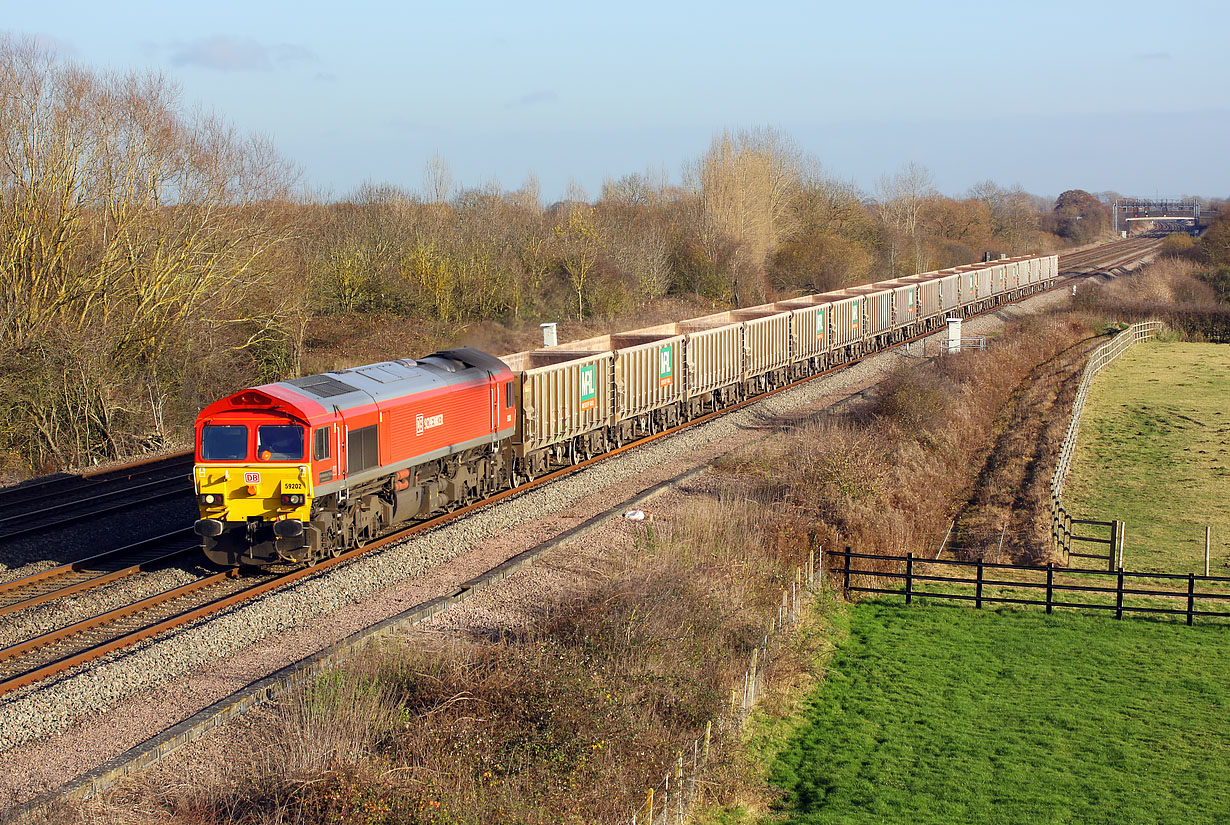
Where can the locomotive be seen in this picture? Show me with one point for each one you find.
(303, 470)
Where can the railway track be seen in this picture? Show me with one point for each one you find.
(1108, 256)
(95, 571)
(47, 504)
(57, 651)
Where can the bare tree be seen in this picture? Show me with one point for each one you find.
(580, 246)
(744, 187)
(125, 224)
(900, 201)
(437, 179)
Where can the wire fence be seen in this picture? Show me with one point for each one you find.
(1063, 534)
(670, 801)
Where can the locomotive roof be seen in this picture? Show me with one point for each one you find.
(314, 395)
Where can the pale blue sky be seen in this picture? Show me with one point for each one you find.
(1125, 95)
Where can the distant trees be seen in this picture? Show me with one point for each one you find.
(1215, 242)
(1080, 217)
(900, 201)
(745, 186)
(833, 241)
(580, 247)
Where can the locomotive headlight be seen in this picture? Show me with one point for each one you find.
(211, 499)
(292, 499)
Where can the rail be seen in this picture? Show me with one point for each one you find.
(1062, 523)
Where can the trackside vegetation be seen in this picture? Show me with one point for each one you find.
(934, 715)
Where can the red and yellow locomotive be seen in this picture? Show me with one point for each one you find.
(302, 470)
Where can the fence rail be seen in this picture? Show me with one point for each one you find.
(1062, 523)
(1132, 592)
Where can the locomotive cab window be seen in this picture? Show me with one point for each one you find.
(508, 398)
(320, 443)
(279, 442)
(224, 442)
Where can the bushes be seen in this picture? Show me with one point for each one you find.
(1174, 290)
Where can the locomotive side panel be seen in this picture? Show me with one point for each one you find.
(429, 423)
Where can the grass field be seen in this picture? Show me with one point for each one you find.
(1154, 451)
(949, 715)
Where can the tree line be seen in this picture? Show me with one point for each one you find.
(152, 258)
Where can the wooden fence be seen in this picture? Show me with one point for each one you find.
(984, 582)
(1063, 534)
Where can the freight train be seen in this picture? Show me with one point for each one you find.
(302, 470)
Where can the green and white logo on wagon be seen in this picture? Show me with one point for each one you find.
(910, 300)
(854, 314)
(821, 324)
(666, 365)
(589, 388)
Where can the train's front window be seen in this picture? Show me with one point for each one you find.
(224, 442)
(279, 442)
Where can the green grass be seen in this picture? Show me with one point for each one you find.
(1154, 451)
(933, 714)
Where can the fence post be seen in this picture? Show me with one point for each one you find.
(649, 806)
(820, 566)
(847, 572)
(1119, 596)
(1122, 539)
(1191, 597)
(1114, 545)
(679, 784)
(1208, 539)
(978, 592)
(1050, 584)
(708, 737)
(1067, 531)
(909, 577)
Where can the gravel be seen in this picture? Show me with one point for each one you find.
(25, 555)
(93, 713)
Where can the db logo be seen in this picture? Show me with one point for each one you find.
(422, 423)
(251, 478)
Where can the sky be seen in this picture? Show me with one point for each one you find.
(1127, 96)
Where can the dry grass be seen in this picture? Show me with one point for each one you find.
(566, 719)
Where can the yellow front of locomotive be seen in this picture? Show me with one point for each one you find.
(254, 490)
